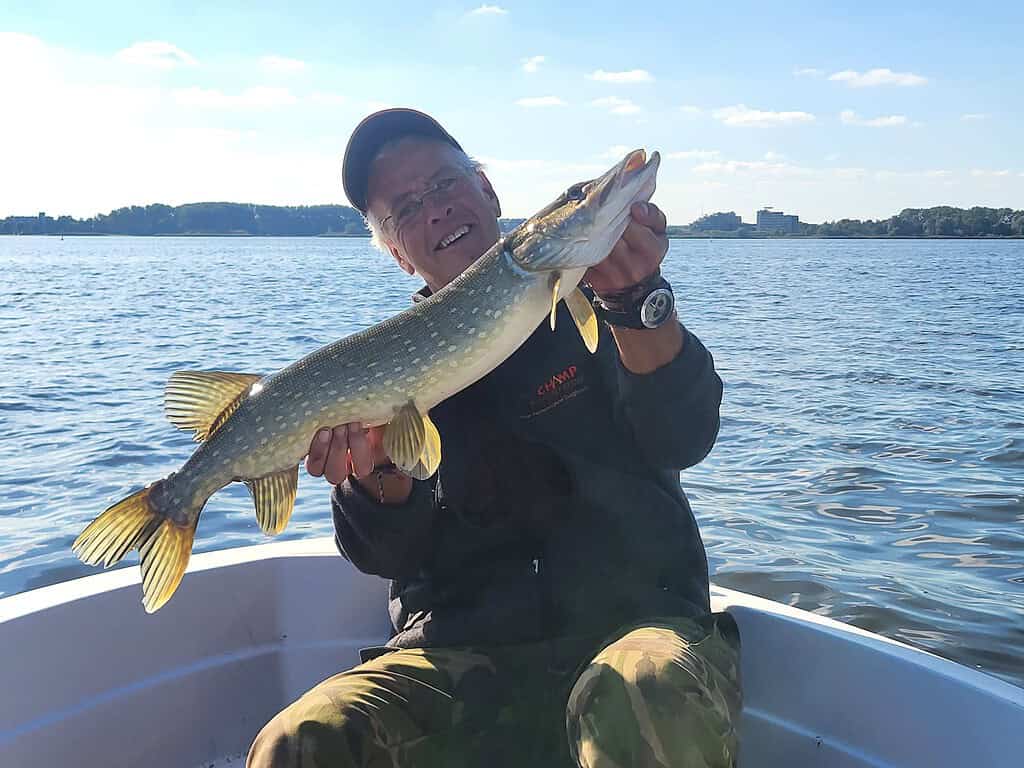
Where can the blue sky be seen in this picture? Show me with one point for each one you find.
(817, 109)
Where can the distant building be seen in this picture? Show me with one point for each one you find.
(718, 222)
(777, 222)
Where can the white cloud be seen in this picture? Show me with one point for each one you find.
(742, 116)
(985, 173)
(752, 167)
(693, 154)
(532, 64)
(327, 99)
(773, 157)
(691, 111)
(875, 77)
(616, 152)
(541, 101)
(626, 76)
(849, 117)
(615, 105)
(257, 97)
(973, 116)
(156, 54)
(938, 174)
(282, 65)
(808, 72)
(488, 10)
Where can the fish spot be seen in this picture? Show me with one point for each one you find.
(451, 347)
(488, 312)
(309, 413)
(332, 392)
(398, 369)
(481, 335)
(434, 335)
(497, 314)
(489, 287)
(370, 365)
(362, 387)
(415, 360)
(259, 429)
(475, 310)
(460, 325)
(388, 382)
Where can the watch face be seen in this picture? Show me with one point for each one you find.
(657, 307)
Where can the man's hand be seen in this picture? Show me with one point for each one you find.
(637, 255)
(348, 449)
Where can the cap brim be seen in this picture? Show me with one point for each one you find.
(371, 134)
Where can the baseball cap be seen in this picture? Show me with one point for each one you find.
(371, 134)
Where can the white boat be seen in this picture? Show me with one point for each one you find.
(88, 679)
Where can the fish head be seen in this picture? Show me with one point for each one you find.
(579, 229)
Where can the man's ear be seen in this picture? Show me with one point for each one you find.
(404, 263)
(489, 191)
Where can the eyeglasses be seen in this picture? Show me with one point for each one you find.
(411, 209)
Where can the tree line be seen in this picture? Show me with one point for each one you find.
(306, 220)
(198, 219)
(941, 221)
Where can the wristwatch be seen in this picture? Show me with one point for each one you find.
(646, 305)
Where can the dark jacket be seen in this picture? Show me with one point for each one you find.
(557, 508)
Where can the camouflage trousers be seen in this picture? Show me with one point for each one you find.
(662, 695)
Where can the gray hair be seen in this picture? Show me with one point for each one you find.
(467, 162)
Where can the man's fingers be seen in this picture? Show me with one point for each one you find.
(318, 450)
(650, 215)
(336, 467)
(359, 447)
(648, 248)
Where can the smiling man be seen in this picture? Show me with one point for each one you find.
(549, 587)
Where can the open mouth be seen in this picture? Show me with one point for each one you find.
(454, 237)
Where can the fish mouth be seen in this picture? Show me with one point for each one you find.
(453, 237)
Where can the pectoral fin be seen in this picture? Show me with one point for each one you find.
(405, 437)
(556, 280)
(274, 496)
(582, 312)
(430, 458)
(203, 400)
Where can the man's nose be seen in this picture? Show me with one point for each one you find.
(440, 213)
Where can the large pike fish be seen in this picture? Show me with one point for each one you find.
(257, 429)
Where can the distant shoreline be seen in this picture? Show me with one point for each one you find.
(748, 238)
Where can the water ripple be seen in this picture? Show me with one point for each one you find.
(870, 465)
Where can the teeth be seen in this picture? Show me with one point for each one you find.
(446, 241)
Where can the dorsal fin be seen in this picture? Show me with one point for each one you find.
(203, 400)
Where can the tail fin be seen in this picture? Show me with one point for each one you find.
(135, 523)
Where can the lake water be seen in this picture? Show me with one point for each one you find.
(870, 465)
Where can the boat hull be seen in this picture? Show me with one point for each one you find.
(89, 679)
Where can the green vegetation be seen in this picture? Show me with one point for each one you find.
(941, 221)
(306, 220)
(198, 219)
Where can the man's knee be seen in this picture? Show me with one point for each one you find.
(658, 696)
(309, 735)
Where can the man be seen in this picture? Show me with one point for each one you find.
(549, 588)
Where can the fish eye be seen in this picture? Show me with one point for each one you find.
(576, 192)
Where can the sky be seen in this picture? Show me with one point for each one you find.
(826, 110)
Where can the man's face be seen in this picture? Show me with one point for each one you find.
(420, 237)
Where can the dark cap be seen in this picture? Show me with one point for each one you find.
(374, 132)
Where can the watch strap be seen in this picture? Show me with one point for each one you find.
(626, 308)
